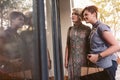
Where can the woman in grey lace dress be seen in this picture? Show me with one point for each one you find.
(77, 46)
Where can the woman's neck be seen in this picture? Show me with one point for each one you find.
(94, 21)
(77, 24)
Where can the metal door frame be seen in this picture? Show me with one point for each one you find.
(40, 71)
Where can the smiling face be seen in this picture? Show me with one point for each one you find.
(88, 16)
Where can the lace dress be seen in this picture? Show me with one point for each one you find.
(78, 48)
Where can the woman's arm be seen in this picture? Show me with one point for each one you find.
(67, 47)
(66, 57)
(114, 47)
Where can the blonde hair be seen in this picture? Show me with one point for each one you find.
(78, 11)
(28, 19)
(28, 14)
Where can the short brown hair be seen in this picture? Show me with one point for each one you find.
(91, 9)
(15, 14)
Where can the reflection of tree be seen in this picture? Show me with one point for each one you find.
(109, 13)
(8, 5)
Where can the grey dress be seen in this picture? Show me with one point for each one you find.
(78, 48)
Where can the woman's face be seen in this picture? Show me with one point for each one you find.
(88, 16)
(18, 22)
(75, 17)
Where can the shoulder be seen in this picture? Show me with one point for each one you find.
(103, 27)
(86, 27)
(26, 34)
(7, 32)
(69, 28)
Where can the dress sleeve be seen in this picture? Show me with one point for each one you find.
(103, 27)
(68, 36)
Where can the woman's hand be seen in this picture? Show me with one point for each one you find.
(93, 57)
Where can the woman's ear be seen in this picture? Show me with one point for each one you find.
(95, 15)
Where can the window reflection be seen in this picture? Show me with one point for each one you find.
(16, 57)
(17, 40)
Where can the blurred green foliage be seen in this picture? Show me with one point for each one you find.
(109, 13)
